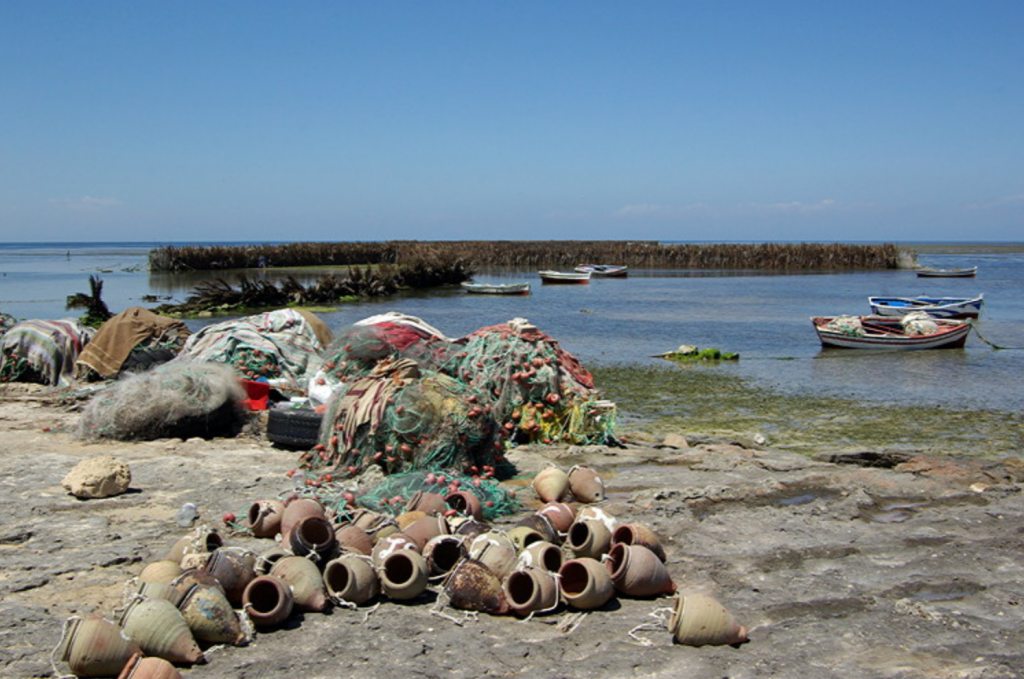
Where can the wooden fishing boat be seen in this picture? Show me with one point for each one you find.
(563, 277)
(965, 272)
(936, 307)
(497, 288)
(604, 270)
(886, 332)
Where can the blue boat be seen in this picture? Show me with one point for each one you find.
(936, 307)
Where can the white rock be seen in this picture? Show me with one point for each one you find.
(98, 477)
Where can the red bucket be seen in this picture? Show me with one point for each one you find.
(256, 395)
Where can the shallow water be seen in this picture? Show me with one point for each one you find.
(764, 317)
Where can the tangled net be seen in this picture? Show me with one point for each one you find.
(179, 398)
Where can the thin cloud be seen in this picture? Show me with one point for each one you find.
(86, 203)
(663, 211)
(1003, 202)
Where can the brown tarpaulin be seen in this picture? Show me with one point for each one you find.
(117, 337)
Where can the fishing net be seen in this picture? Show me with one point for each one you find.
(846, 325)
(7, 321)
(281, 346)
(399, 418)
(536, 390)
(180, 398)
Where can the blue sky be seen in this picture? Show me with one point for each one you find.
(723, 120)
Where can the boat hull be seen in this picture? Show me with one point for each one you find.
(884, 333)
(497, 288)
(564, 277)
(969, 272)
(936, 307)
(604, 270)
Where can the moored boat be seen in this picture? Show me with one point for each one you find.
(936, 307)
(497, 288)
(577, 277)
(913, 331)
(964, 272)
(604, 270)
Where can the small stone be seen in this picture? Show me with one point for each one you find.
(98, 477)
(675, 441)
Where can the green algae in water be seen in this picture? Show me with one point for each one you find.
(697, 398)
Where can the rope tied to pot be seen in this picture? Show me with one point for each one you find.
(661, 618)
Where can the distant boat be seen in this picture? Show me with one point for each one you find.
(936, 307)
(885, 332)
(965, 272)
(604, 270)
(497, 288)
(577, 277)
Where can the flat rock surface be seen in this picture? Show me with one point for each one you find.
(845, 566)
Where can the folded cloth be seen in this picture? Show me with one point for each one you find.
(117, 337)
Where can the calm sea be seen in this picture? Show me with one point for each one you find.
(764, 317)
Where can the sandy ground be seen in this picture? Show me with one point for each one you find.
(841, 566)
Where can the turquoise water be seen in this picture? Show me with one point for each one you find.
(766, 318)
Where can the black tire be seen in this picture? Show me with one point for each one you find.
(293, 427)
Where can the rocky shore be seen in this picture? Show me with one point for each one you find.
(840, 564)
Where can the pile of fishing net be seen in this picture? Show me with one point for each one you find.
(7, 322)
(279, 346)
(177, 399)
(403, 397)
(846, 325)
(42, 351)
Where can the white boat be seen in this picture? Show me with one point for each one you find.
(936, 307)
(885, 332)
(497, 288)
(577, 277)
(966, 272)
(604, 270)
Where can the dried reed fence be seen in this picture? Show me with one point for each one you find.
(535, 254)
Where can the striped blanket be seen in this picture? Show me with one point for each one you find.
(43, 351)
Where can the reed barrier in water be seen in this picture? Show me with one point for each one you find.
(537, 254)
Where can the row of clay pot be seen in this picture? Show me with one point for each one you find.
(552, 484)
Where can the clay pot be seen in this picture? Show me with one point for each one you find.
(406, 518)
(202, 540)
(295, 511)
(592, 513)
(164, 571)
(392, 543)
(430, 503)
(466, 503)
(313, 534)
(160, 629)
(472, 586)
(352, 538)
(551, 484)
(351, 578)
(559, 514)
(139, 667)
(699, 620)
(210, 617)
(155, 590)
(638, 534)
(268, 600)
(196, 576)
(524, 536)
(234, 569)
(542, 555)
(306, 582)
(496, 551)
(637, 571)
(532, 590)
(542, 525)
(442, 552)
(403, 575)
(470, 528)
(585, 484)
(95, 647)
(585, 583)
(425, 528)
(266, 560)
(264, 518)
(372, 522)
(589, 538)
